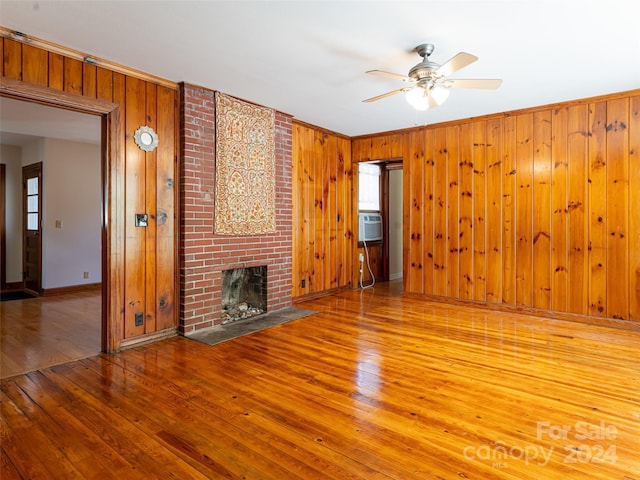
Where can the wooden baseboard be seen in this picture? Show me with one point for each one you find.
(324, 293)
(148, 338)
(47, 292)
(571, 317)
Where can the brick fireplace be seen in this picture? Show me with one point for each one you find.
(204, 256)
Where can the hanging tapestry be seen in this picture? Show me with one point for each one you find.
(245, 168)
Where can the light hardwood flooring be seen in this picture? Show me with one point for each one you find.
(44, 331)
(374, 386)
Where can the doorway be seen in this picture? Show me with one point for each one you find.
(395, 222)
(66, 322)
(32, 227)
(391, 185)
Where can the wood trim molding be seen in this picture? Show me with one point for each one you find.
(20, 90)
(83, 57)
(600, 98)
(3, 241)
(313, 296)
(319, 129)
(87, 287)
(149, 338)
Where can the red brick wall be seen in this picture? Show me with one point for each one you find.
(203, 255)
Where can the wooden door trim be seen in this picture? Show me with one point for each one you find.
(112, 203)
(385, 168)
(3, 231)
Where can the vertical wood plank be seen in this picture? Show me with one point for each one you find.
(300, 192)
(542, 210)
(524, 209)
(428, 196)
(309, 194)
(318, 241)
(440, 256)
(509, 231)
(56, 71)
(618, 209)
(479, 211)
(559, 207)
(380, 148)
(417, 208)
(577, 218)
(343, 192)
(364, 149)
(89, 80)
(395, 146)
(453, 213)
(356, 147)
(72, 81)
(465, 221)
(329, 199)
(407, 211)
(34, 65)
(296, 221)
(104, 85)
(634, 209)
(135, 300)
(117, 211)
(494, 211)
(350, 209)
(151, 257)
(598, 209)
(166, 169)
(12, 59)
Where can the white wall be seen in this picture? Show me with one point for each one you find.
(71, 187)
(395, 224)
(11, 156)
(72, 184)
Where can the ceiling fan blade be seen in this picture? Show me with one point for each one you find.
(455, 63)
(395, 76)
(487, 84)
(385, 95)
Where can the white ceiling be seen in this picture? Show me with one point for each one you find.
(308, 58)
(20, 122)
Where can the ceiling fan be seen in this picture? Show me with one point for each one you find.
(430, 87)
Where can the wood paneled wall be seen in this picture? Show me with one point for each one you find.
(322, 199)
(538, 208)
(135, 181)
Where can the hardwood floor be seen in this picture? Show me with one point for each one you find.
(44, 331)
(374, 386)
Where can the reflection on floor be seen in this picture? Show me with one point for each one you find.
(44, 331)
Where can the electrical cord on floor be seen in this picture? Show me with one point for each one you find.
(373, 278)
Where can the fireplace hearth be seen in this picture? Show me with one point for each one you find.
(244, 293)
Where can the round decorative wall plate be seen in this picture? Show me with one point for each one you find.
(146, 138)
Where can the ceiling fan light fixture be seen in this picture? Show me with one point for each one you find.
(418, 98)
(431, 87)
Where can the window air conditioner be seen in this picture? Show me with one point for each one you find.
(370, 227)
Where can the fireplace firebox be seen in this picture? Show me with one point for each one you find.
(244, 293)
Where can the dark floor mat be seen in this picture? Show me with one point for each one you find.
(5, 296)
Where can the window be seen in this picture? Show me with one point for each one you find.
(32, 203)
(368, 187)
